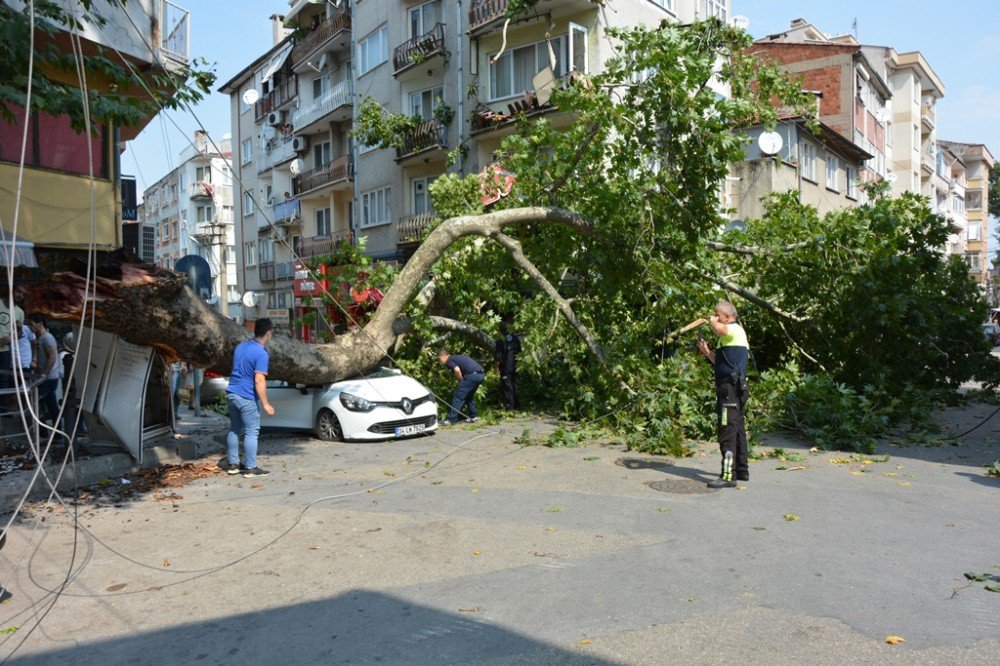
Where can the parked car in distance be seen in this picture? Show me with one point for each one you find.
(385, 404)
(212, 386)
(992, 333)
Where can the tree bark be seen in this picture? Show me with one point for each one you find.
(152, 306)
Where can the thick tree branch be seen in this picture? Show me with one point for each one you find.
(750, 296)
(517, 254)
(753, 249)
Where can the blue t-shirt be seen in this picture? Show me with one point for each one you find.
(467, 365)
(249, 358)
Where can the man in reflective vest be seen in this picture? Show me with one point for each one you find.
(730, 362)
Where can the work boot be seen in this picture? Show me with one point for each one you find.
(721, 483)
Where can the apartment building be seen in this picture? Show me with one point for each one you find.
(458, 65)
(190, 211)
(56, 186)
(970, 194)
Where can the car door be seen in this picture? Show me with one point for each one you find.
(292, 406)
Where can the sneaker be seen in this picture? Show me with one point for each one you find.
(721, 483)
(474, 420)
(231, 468)
(5, 596)
(256, 471)
(446, 422)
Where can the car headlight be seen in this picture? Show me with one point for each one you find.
(356, 403)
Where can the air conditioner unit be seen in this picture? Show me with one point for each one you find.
(300, 144)
(276, 118)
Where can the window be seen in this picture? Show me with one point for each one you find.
(204, 213)
(424, 17)
(375, 207)
(974, 231)
(323, 226)
(974, 261)
(511, 74)
(246, 151)
(916, 138)
(173, 229)
(265, 250)
(666, 4)
(248, 208)
(373, 50)
(974, 199)
(227, 215)
(833, 172)
(183, 181)
(320, 85)
(577, 48)
(227, 176)
(421, 195)
(250, 253)
(423, 103)
(852, 182)
(807, 160)
(52, 144)
(712, 9)
(321, 154)
(958, 204)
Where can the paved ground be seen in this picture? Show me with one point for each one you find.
(468, 548)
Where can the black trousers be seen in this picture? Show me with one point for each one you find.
(508, 386)
(731, 399)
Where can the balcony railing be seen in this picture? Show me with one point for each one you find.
(327, 29)
(325, 244)
(482, 12)
(428, 134)
(202, 190)
(274, 151)
(175, 31)
(282, 93)
(340, 169)
(284, 270)
(928, 115)
(411, 229)
(418, 49)
(266, 271)
(337, 96)
(286, 211)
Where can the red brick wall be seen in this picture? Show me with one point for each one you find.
(825, 79)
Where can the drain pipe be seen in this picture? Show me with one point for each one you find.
(461, 86)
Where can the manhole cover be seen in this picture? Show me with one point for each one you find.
(681, 486)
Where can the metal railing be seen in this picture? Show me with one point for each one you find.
(284, 270)
(427, 134)
(327, 29)
(286, 210)
(411, 229)
(324, 244)
(340, 169)
(265, 270)
(337, 96)
(482, 12)
(418, 49)
(201, 189)
(274, 151)
(175, 31)
(283, 92)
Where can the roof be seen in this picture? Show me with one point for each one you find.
(833, 138)
(233, 85)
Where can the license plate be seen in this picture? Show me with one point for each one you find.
(410, 429)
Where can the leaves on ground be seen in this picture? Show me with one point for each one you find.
(590, 458)
(554, 509)
(116, 587)
(757, 528)
(7, 631)
(166, 562)
(663, 509)
(992, 588)
(894, 640)
(790, 517)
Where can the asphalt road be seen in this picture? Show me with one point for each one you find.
(468, 548)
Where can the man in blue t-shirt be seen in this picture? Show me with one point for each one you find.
(246, 384)
(729, 358)
(470, 376)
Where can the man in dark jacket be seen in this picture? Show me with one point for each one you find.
(470, 375)
(508, 346)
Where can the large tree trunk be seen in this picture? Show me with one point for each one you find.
(152, 306)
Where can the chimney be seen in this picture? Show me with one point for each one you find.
(799, 22)
(278, 31)
(200, 140)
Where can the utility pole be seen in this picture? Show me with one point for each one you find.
(219, 232)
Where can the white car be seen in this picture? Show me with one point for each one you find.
(383, 405)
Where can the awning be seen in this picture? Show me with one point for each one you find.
(277, 60)
(16, 251)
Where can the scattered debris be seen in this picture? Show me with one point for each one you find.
(894, 640)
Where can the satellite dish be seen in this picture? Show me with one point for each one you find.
(251, 96)
(296, 166)
(770, 143)
(892, 178)
(740, 21)
(250, 299)
(738, 225)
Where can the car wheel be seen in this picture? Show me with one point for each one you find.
(328, 427)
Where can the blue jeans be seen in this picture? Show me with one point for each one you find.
(243, 417)
(49, 406)
(464, 394)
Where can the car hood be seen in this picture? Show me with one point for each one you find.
(383, 389)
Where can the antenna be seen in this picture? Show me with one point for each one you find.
(740, 21)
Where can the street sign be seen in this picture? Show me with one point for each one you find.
(199, 274)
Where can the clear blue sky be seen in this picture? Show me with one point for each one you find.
(960, 39)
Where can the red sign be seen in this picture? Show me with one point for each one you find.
(496, 182)
(308, 283)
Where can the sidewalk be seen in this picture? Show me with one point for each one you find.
(467, 548)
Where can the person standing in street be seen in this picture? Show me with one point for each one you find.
(11, 321)
(508, 346)
(247, 383)
(46, 364)
(470, 375)
(729, 359)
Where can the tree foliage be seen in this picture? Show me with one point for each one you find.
(995, 190)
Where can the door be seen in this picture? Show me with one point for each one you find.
(292, 407)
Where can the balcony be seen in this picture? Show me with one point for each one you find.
(202, 190)
(281, 94)
(266, 271)
(204, 232)
(275, 151)
(175, 32)
(284, 270)
(315, 246)
(493, 117)
(483, 13)
(327, 29)
(339, 172)
(928, 116)
(428, 136)
(418, 50)
(336, 101)
(287, 211)
(411, 229)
